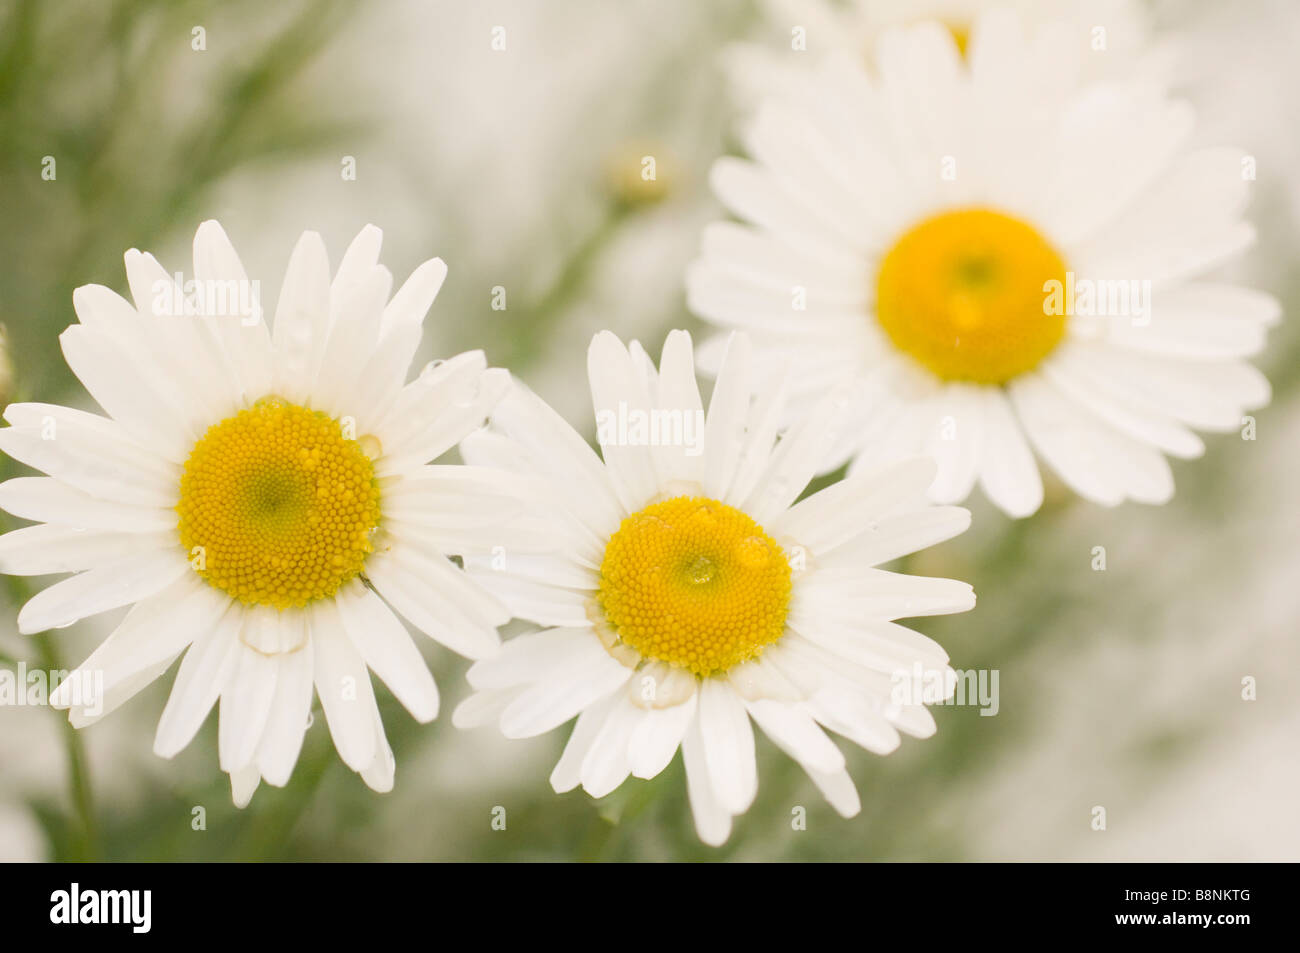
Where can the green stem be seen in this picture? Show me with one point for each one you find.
(541, 316)
(80, 791)
(599, 833)
(83, 799)
(269, 832)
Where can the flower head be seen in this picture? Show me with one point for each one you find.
(998, 253)
(262, 500)
(690, 590)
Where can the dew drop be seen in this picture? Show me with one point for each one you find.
(701, 570)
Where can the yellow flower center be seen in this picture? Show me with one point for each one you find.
(694, 583)
(276, 506)
(963, 293)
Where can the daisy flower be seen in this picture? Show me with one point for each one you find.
(688, 592)
(999, 254)
(261, 500)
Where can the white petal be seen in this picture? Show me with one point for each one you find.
(756, 195)
(796, 733)
(484, 708)
(49, 501)
(728, 412)
(884, 646)
(178, 347)
(432, 427)
(796, 459)
(246, 704)
(438, 599)
(92, 454)
(898, 536)
(243, 783)
(1146, 427)
(1208, 395)
(130, 397)
(585, 679)
(607, 763)
(1097, 462)
(46, 548)
(557, 570)
(116, 695)
(855, 506)
(540, 602)
(204, 672)
(532, 657)
(1008, 474)
(837, 787)
(354, 330)
(412, 301)
(343, 685)
(387, 648)
(883, 595)
(464, 510)
(760, 678)
(100, 589)
(301, 318)
(362, 255)
(382, 771)
(617, 391)
(440, 386)
(546, 445)
(957, 441)
(712, 821)
(680, 394)
(657, 736)
(244, 332)
(728, 746)
(155, 630)
(853, 717)
(399, 338)
(567, 774)
(286, 722)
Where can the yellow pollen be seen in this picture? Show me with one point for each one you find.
(694, 583)
(963, 293)
(277, 507)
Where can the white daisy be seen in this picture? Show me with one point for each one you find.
(688, 592)
(262, 501)
(908, 232)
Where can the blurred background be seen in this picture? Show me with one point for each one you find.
(520, 166)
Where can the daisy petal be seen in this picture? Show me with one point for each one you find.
(728, 746)
(343, 685)
(204, 672)
(246, 703)
(712, 821)
(48, 500)
(388, 650)
(286, 722)
(100, 589)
